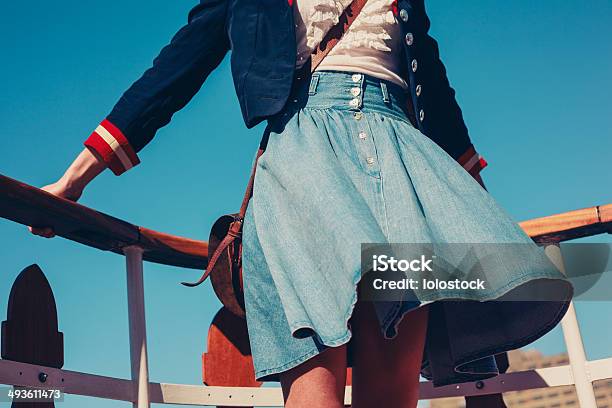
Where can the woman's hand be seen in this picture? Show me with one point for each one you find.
(84, 169)
(61, 189)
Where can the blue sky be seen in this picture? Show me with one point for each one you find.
(533, 79)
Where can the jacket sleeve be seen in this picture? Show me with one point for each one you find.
(177, 74)
(447, 128)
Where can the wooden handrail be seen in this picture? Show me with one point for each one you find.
(29, 205)
(570, 225)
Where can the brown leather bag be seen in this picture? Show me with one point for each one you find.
(225, 240)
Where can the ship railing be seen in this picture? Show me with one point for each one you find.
(29, 205)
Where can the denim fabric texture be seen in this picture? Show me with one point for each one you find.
(344, 166)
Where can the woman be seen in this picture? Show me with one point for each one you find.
(370, 148)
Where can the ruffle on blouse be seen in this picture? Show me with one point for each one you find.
(323, 16)
(369, 30)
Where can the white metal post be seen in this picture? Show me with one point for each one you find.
(577, 357)
(138, 328)
(573, 343)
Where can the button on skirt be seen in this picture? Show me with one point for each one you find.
(344, 166)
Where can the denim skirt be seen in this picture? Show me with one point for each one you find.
(344, 166)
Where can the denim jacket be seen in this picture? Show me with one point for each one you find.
(261, 35)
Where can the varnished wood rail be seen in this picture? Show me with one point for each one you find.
(570, 225)
(29, 205)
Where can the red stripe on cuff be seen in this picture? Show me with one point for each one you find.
(472, 161)
(114, 148)
(477, 167)
(482, 162)
(123, 142)
(466, 156)
(99, 145)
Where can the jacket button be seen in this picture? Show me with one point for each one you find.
(356, 77)
(358, 115)
(409, 39)
(354, 102)
(414, 65)
(362, 135)
(355, 91)
(421, 115)
(403, 15)
(419, 88)
(370, 160)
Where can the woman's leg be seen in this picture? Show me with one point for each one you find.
(386, 372)
(318, 382)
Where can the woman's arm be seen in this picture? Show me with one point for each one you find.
(177, 74)
(83, 169)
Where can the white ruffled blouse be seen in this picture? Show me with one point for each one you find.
(370, 46)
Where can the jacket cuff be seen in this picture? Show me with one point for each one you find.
(472, 162)
(113, 147)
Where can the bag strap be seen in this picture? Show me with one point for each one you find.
(330, 40)
(249, 189)
(334, 35)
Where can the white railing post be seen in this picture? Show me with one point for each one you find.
(138, 327)
(573, 343)
(577, 357)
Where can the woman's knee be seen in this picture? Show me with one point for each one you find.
(386, 371)
(318, 382)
